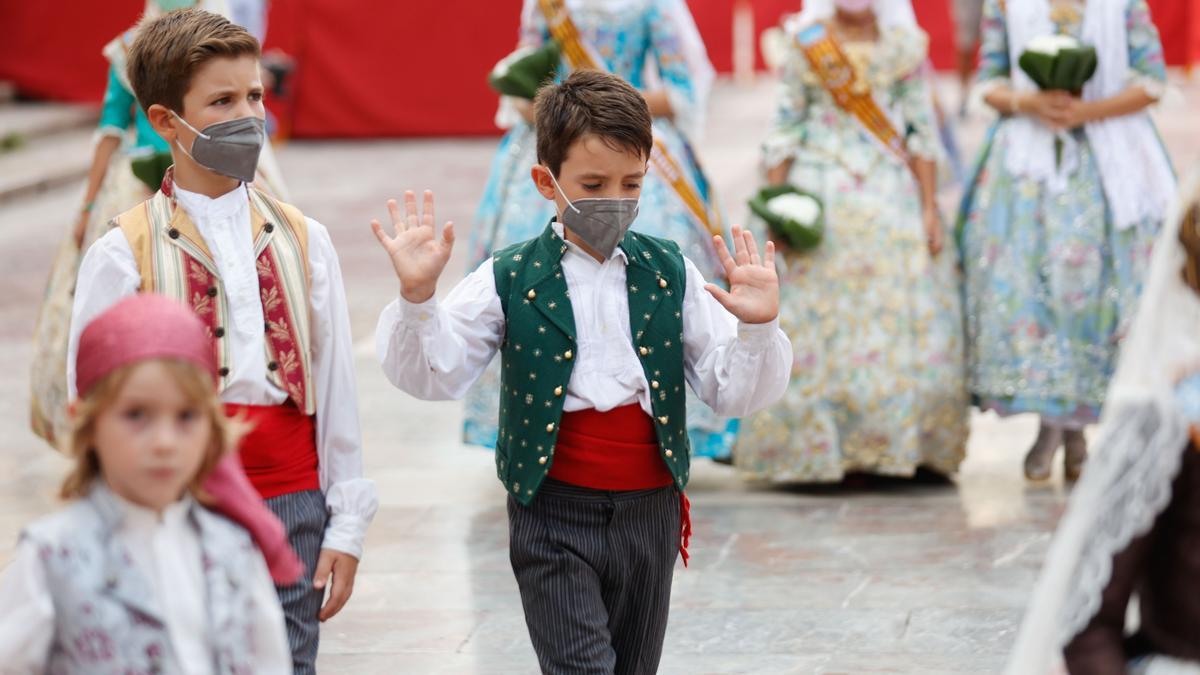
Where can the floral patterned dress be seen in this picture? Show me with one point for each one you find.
(652, 44)
(1050, 283)
(878, 381)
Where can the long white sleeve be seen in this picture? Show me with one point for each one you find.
(27, 622)
(435, 351)
(107, 274)
(736, 368)
(350, 498)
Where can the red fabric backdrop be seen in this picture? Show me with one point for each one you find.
(386, 68)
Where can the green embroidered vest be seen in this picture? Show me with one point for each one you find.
(538, 352)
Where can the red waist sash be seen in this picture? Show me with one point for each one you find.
(279, 453)
(615, 450)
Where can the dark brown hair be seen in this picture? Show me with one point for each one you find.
(590, 102)
(168, 50)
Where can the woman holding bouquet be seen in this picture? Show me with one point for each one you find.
(872, 310)
(1057, 225)
(654, 45)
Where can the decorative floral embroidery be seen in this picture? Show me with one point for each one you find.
(875, 323)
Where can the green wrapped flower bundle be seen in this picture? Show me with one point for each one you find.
(150, 167)
(524, 71)
(1059, 62)
(796, 216)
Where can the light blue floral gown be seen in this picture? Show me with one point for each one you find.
(654, 45)
(1049, 282)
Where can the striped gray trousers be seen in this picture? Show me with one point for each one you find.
(304, 516)
(594, 569)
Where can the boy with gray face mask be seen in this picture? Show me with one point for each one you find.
(599, 329)
(267, 284)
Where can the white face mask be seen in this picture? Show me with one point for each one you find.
(601, 222)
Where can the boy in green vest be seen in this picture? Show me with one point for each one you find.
(599, 330)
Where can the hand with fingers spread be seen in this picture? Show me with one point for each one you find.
(753, 295)
(417, 253)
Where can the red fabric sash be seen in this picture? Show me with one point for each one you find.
(615, 450)
(279, 453)
(234, 496)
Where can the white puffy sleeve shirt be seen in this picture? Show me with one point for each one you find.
(436, 350)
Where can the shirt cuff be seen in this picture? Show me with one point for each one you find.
(755, 334)
(352, 504)
(346, 533)
(419, 317)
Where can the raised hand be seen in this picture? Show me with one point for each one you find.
(753, 295)
(417, 253)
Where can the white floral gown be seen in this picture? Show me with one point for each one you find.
(875, 321)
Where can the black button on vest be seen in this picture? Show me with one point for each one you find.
(269, 227)
(224, 372)
(212, 291)
(173, 233)
(219, 332)
(272, 366)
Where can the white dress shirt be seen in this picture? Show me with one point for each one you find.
(109, 272)
(436, 351)
(166, 550)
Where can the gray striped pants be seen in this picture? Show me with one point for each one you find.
(594, 569)
(304, 516)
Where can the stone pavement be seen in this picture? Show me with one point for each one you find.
(900, 579)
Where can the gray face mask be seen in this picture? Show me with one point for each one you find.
(229, 148)
(600, 222)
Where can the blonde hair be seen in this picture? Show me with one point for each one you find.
(197, 386)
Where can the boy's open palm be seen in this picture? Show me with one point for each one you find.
(753, 295)
(417, 252)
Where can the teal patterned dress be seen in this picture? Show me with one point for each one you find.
(1050, 284)
(653, 44)
(878, 382)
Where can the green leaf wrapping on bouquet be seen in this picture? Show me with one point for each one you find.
(1073, 68)
(150, 168)
(524, 71)
(801, 231)
(1065, 68)
(1039, 67)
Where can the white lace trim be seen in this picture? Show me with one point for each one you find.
(1136, 488)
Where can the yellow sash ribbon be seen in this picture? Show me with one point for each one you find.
(566, 34)
(839, 78)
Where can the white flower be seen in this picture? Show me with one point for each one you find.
(1051, 45)
(800, 208)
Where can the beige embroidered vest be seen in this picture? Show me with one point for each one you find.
(174, 260)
